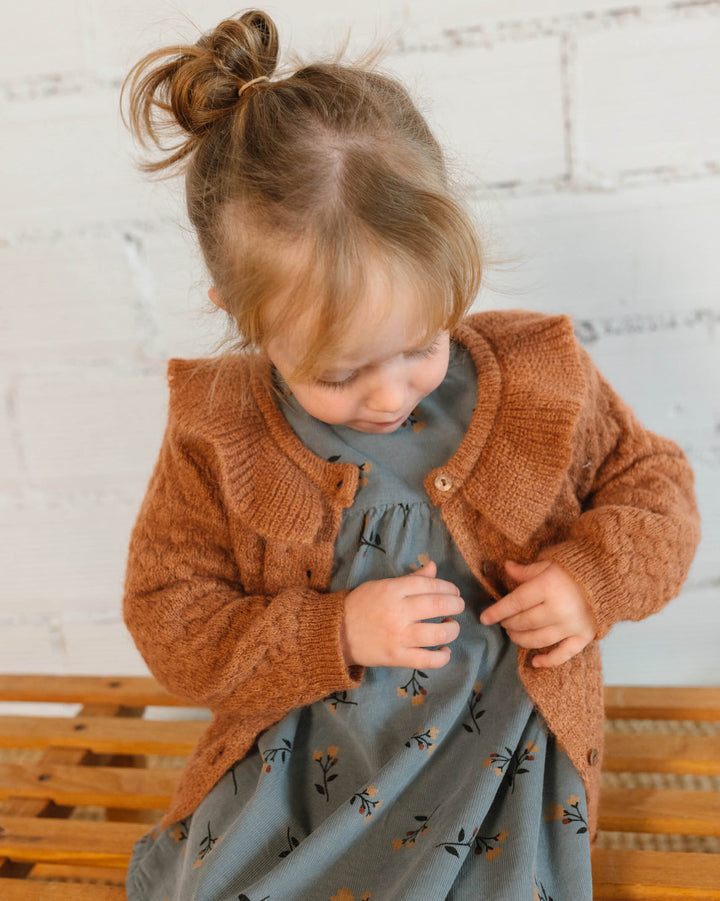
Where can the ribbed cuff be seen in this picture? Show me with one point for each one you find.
(319, 642)
(597, 576)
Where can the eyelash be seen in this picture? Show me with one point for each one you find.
(423, 352)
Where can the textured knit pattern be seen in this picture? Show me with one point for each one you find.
(440, 784)
(231, 556)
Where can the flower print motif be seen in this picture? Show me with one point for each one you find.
(344, 894)
(474, 708)
(479, 843)
(424, 740)
(179, 832)
(337, 698)
(367, 804)
(370, 539)
(206, 846)
(423, 560)
(326, 763)
(412, 835)
(513, 761)
(364, 473)
(416, 424)
(413, 684)
(292, 844)
(570, 813)
(272, 754)
(406, 514)
(539, 891)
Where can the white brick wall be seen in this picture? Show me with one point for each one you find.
(587, 135)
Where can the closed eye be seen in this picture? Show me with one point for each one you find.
(428, 351)
(339, 383)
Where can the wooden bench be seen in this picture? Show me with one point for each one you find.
(77, 791)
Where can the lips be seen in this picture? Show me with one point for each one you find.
(390, 424)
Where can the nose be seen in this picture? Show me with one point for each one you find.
(387, 395)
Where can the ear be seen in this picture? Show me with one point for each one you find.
(215, 298)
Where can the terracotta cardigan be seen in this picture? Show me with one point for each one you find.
(230, 557)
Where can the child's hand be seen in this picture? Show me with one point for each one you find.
(384, 621)
(547, 608)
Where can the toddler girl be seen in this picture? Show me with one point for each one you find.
(382, 537)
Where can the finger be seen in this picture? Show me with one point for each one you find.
(422, 658)
(538, 638)
(566, 650)
(430, 606)
(519, 600)
(524, 572)
(538, 617)
(429, 570)
(428, 585)
(430, 635)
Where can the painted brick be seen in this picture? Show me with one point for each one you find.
(41, 38)
(643, 250)
(66, 555)
(62, 304)
(649, 96)
(126, 32)
(466, 94)
(677, 646)
(67, 161)
(11, 470)
(100, 647)
(425, 15)
(90, 429)
(189, 325)
(26, 647)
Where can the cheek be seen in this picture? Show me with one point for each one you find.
(327, 406)
(433, 374)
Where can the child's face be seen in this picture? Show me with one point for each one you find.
(382, 379)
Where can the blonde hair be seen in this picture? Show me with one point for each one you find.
(295, 186)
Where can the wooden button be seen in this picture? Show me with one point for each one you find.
(592, 756)
(443, 482)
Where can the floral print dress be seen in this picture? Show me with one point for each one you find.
(438, 784)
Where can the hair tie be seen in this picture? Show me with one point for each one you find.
(244, 87)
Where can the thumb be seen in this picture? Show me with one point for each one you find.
(429, 571)
(524, 572)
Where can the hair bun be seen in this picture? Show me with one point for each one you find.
(245, 48)
(193, 86)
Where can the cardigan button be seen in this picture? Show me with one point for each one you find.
(592, 756)
(443, 482)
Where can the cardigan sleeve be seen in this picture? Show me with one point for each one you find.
(631, 548)
(202, 636)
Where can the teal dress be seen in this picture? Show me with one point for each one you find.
(419, 784)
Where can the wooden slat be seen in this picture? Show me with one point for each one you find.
(124, 787)
(103, 735)
(44, 806)
(128, 691)
(50, 872)
(87, 842)
(24, 890)
(661, 702)
(660, 811)
(652, 753)
(655, 876)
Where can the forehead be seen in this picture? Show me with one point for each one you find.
(390, 317)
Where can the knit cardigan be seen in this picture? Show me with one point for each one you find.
(229, 564)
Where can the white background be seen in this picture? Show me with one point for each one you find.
(587, 137)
